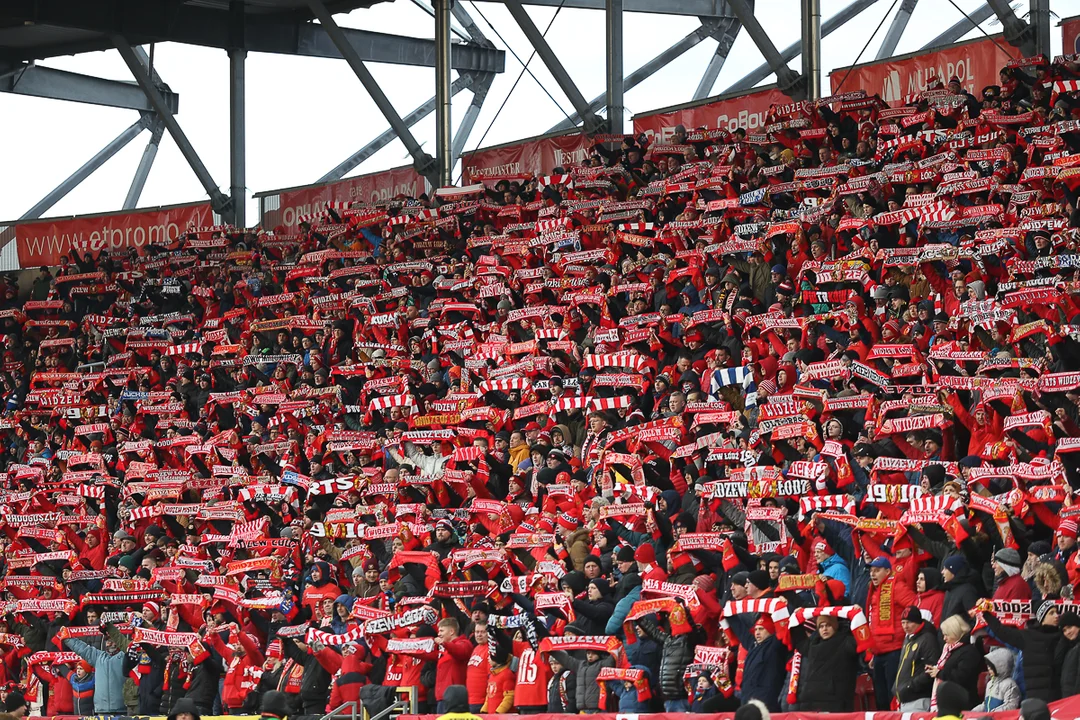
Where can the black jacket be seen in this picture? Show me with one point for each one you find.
(829, 670)
(593, 615)
(562, 692)
(203, 687)
(1041, 664)
(960, 596)
(315, 687)
(921, 649)
(963, 667)
(678, 652)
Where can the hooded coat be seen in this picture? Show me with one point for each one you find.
(593, 614)
(1002, 692)
(933, 599)
(316, 592)
(829, 670)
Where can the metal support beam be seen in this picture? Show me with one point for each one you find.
(44, 82)
(725, 34)
(313, 41)
(471, 27)
(427, 7)
(1039, 17)
(896, 29)
(962, 27)
(425, 165)
(237, 137)
(615, 80)
(465, 129)
(73, 180)
(694, 8)
(834, 23)
(217, 198)
(554, 66)
(786, 79)
(358, 157)
(145, 163)
(444, 143)
(811, 40)
(645, 71)
(1017, 32)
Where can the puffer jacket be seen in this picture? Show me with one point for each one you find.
(203, 686)
(562, 688)
(108, 677)
(1042, 671)
(1002, 692)
(588, 689)
(677, 653)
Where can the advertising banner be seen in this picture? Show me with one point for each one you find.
(746, 110)
(45, 242)
(976, 63)
(1070, 33)
(532, 156)
(297, 202)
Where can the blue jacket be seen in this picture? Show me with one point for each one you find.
(834, 567)
(628, 699)
(622, 609)
(108, 676)
(764, 673)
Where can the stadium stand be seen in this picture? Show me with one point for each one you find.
(783, 420)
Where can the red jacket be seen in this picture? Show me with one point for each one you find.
(883, 614)
(1014, 587)
(452, 668)
(60, 702)
(932, 601)
(242, 673)
(476, 675)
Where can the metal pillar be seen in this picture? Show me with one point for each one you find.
(786, 79)
(350, 163)
(811, 39)
(615, 66)
(896, 29)
(444, 142)
(961, 28)
(147, 162)
(73, 180)
(716, 63)
(430, 10)
(554, 66)
(237, 137)
(835, 22)
(465, 129)
(1017, 32)
(217, 198)
(424, 163)
(644, 72)
(1039, 17)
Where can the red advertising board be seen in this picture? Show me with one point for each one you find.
(744, 110)
(1070, 35)
(44, 242)
(376, 187)
(532, 156)
(976, 63)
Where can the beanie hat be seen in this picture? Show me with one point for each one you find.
(766, 622)
(1008, 556)
(1044, 608)
(952, 699)
(1067, 528)
(913, 614)
(753, 710)
(153, 607)
(823, 547)
(274, 650)
(740, 578)
(625, 554)
(646, 554)
(956, 564)
(759, 579)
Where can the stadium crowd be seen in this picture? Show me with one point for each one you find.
(733, 418)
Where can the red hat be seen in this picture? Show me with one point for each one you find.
(562, 478)
(823, 547)
(646, 554)
(568, 522)
(153, 607)
(1067, 528)
(86, 667)
(274, 650)
(766, 622)
(532, 426)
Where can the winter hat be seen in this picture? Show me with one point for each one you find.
(646, 554)
(153, 607)
(1039, 548)
(956, 564)
(16, 700)
(1008, 556)
(766, 622)
(759, 579)
(601, 586)
(1034, 709)
(275, 704)
(625, 554)
(274, 650)
(86, 667)
(1068, 619)
(1067, 528)
(823, 547)
(1043, 609)
(740, 578)
(756, 710)
(952, 699)
(913, 615)
(456, 699)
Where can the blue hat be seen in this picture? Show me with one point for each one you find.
(956, 564)
(881, 562)
(779, 269)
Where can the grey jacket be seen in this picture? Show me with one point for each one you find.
(108, 676)
(588, 689)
